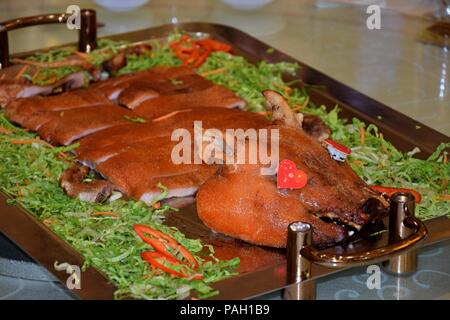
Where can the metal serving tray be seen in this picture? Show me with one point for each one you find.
(262, 269)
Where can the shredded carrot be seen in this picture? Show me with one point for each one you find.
(47, 222)
(445, 196)
(30, 141)
(105, 213)
(361, 135)
(264, 113)
(4, 130)
(357, 163)
(36, 74)
(171, 114)
(383, 146)
(21, 72)
(287, 90)
(301, 106)
(215, 71)
(445, 158)
(444, 183)
(156, 205)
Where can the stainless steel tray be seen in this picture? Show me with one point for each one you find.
(262, 269)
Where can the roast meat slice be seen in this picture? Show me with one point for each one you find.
(152, 87)
(12, 89)
(137, 170)
(20, 111)
(111, 88)
(101, 145)
(215, 96)
(64, 127)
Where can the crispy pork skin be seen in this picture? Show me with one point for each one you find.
(112, 87)
(12, 89)
(248, 205)
(149, 88)
(136, 157)
(101, 145)
(64, 127)
(72, 181)
(20, 111)
(215, 96)
(137, 170)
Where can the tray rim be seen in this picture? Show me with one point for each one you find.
(106, 289)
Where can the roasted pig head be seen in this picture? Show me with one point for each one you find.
(241, 202)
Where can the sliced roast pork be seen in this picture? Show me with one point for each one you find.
(64, 127)
(102, 145)
(26, 111)
(215, 96)
(10, 90)
(137, 157)
(149, 88)
(111, 88)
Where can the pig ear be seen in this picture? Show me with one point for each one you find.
(281, 112)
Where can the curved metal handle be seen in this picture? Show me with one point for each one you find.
(417, 227)
(405, 230)
(87, 33)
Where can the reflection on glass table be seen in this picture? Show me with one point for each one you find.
(21, 278)
(430, 281)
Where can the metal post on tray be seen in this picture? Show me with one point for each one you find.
(299, 267)
(398, 255)
(402, 208)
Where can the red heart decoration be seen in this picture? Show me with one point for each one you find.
(289, 177)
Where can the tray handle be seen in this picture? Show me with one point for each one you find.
(405, 231)
(87, 36)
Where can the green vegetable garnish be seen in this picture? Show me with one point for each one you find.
(176, 82)
(135, 119)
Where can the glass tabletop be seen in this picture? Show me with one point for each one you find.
(431, 281)
(21, 278)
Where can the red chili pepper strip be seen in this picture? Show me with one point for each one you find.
(202, 58)
(152, 258)
(390, 191)
(161, 247)
(194, 56)
(196, 53)
(214, 45)
(141, 230)
(180, 55)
